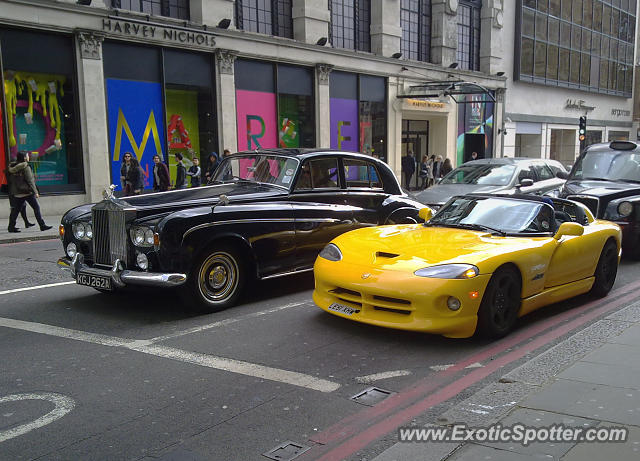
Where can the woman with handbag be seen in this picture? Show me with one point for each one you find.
(22, 187)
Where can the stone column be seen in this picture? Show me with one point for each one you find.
(385, 28)
(211, 12)
(323, 107)
(491, 36)
(93, 115)
(444, 31)
(226, 101)
(310, 20)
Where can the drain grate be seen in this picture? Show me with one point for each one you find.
(371, 396)
(286, 451)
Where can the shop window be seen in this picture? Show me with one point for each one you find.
(41, 108)
(415, 21)
(274, 105)
(178, 9)
(563, 146)
(469, 34)
(618, 136)
(373, 119)
(350, 24)
(272, 17)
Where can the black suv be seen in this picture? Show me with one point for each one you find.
(606, 178)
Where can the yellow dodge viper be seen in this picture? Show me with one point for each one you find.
(479, 263)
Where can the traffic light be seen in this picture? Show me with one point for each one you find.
(582, 130)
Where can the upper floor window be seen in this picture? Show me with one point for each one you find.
(469, 34)
(415, 21)
(272, 17)
(350, 23)
(178, 9)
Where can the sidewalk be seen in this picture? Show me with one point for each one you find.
(33, 233)
(590, 380)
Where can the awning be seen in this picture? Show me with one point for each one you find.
(458, 90)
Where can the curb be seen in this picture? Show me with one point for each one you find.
(28, 238)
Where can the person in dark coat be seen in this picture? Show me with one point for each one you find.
(181, 173)
(212, 166)
(194, 172)
(160, 175)
(133, 177)
(437, 167)
(446, 167)
(22, 187)
(408, 168)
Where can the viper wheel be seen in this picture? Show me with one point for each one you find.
(606, 270)
(500, 304)
(216, 280)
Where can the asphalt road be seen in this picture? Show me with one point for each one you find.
(86, 375)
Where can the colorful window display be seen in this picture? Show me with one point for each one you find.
(39, 109)
(358, 113)
(267, 118)
(475, 128)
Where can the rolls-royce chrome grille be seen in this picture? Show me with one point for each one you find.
(590, 202)
(109, 236)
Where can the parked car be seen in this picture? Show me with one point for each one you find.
(606, 178)
(479, 263)
(493, 175)
(265, 214)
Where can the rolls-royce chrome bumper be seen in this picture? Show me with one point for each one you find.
(121, 277)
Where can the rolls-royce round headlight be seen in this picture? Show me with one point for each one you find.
(625, 209)
(79, 230)
(142, 261)
(148, 237)
(72, 250)
(88, 231)
(138, 236)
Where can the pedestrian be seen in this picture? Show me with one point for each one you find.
(474, 156)
(226, 153)
(425, 171)
(430, 163)
(408, 168)
(194, 172)
(22, 187)
(446, 167)
(181, 173)
(213, 163)
(160, 175)
(124, 171)
(135, 178)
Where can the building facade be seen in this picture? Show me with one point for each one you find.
(569, 59)
(85, 81)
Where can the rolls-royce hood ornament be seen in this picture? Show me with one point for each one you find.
(107, 193)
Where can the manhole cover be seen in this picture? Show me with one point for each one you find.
(371, 396)
(286, 451)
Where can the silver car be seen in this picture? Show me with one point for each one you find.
(496, 175)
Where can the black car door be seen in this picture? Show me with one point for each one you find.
(365, 192)
(319, 207)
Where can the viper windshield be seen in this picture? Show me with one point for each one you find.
(256, 168)
(608, 165)
(496, 215)
(480, 173)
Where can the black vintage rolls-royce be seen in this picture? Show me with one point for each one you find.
(264, 214)
(606, 178)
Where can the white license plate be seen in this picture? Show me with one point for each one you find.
(342, 309)
(95, 281)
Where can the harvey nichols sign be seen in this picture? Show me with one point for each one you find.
(158, 32)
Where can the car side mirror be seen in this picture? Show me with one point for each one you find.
(525, 182)
(569, 228)
(425, 213)
(562, 174)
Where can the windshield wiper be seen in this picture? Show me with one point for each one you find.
(476, 227)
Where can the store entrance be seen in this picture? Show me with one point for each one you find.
(473, 143)
(415, 145)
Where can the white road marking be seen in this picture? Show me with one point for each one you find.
(37, 287)
(474, 365)
(380, 376)
(222, 323)
(63, 405)
(205, 360)
(441, 367)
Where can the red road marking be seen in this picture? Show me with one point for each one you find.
(357, 431)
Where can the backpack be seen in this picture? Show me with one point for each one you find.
(19, 184)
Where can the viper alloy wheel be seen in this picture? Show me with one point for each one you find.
(606, 270)
(216, 281)
(500, 304)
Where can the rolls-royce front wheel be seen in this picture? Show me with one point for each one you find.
(216, 280)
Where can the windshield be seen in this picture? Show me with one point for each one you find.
(510, 216)
(611, 165)
(485, 174)
(258, 168)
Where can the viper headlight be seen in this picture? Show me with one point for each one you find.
(449, 271)
(331, 252)
(141, 236)
(82, 231)
(625, 209)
